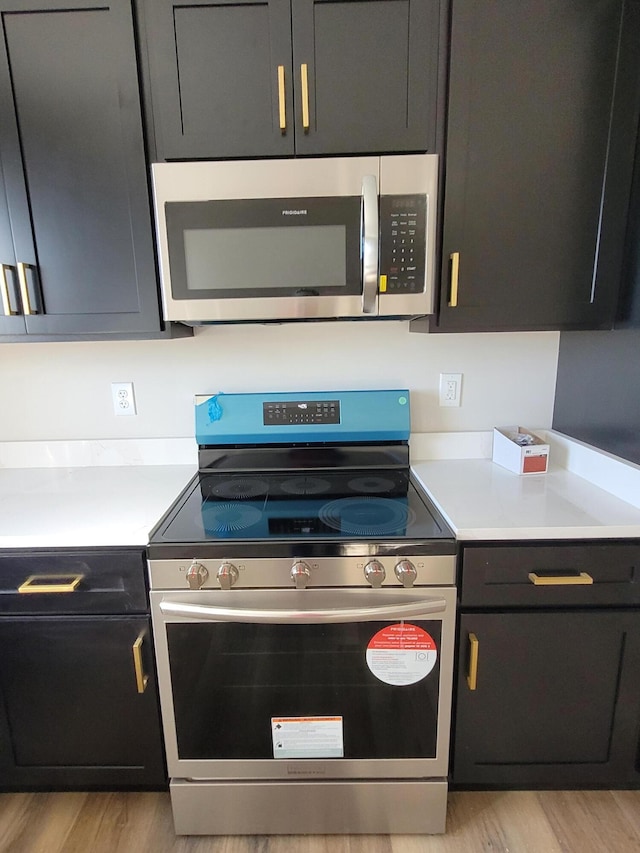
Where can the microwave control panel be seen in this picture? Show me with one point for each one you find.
(403, 229)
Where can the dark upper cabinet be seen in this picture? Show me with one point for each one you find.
(76, 233)
(542, 116)
(11, 319)
(262, 78)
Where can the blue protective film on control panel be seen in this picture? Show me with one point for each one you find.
(303, 416)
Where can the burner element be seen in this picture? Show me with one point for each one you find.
(240, 488)
(305, 485)
(229, 517)
(371, 485)
(366, 516)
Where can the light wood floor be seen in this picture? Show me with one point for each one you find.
(504, 822)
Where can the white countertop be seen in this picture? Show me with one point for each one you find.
(112, 493)
(483, 501)
(86, 506)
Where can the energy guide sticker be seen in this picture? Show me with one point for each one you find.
(307, 737)
(401, 654)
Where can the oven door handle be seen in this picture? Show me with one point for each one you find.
(383, 613)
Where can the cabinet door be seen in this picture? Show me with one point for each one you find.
(72, 153)
(71, 715)
(11, 319)
(372, 70)
(537, 172)
(221, 77)
(556, 702)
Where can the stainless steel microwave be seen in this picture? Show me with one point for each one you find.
(258, 241)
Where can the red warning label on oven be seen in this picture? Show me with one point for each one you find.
(401, 654)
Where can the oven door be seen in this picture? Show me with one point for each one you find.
(267, 240)
(344, 683)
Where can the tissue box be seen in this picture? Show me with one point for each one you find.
(531, 458)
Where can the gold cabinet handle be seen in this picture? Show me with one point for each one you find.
(454, 257)
(51, 583)
(27, 307)
(304, 79)
(560, 580)
(4, 292)
(141, 679)
(281, 100)
(474, 650)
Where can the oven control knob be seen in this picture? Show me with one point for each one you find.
(196, 575)
(227, 575)
(374, 572)
(406, 572)
(300, 574)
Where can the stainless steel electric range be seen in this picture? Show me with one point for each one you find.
(303, 603)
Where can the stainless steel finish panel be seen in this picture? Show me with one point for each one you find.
(436, 570)
(303, 808)
(412, 174)
(197, 311)
(336, 176)
(405, 768)
(204, 181)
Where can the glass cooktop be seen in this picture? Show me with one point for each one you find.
(305, 505)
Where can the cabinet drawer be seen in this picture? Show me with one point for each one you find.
(67, 581)
(579, 574)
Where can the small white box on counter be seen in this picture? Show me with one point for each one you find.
(519, 449)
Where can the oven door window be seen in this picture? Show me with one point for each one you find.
(230, 681)
(264, 247)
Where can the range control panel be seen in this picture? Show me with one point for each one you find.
(403, 225)
(301, 412)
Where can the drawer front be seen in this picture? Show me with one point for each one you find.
(571, 574)
(67, 581)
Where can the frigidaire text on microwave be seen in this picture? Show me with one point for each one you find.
(257, 241)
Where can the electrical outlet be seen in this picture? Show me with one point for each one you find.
(450, 389)
(124, 403)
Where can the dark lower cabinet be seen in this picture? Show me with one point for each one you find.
(556, 703)
(542, 120)
(71, 714)
(548, 694)
(78, 695)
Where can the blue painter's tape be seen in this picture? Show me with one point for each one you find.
(365, 416)
(214, 409)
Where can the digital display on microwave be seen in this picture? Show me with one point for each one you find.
(304, 256)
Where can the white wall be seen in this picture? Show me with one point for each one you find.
(62, 390)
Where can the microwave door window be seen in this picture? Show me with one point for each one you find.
(250, 249)
(248, 259)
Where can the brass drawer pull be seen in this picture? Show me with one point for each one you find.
(474, 650)
(454, 257)
(7, 307)
(27, 305)
(281, 100)
(141, 679)
(304, 79)
(51, 583)
(560, 580)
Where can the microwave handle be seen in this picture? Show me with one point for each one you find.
(369, 237)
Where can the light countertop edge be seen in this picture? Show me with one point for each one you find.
(483, 502)
(111, 506)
